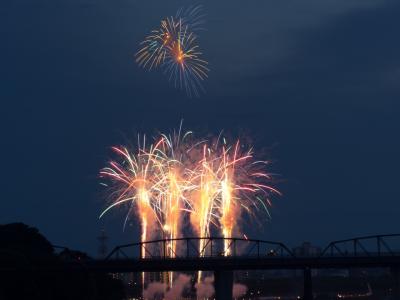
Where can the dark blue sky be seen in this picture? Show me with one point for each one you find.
(315, 83)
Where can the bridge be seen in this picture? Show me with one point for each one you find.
(223, 256)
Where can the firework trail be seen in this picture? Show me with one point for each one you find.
(134, 183)
(227, 207)
(202, 200)
(173, 200)
(192, 17)
(244, 188)
(174, 47)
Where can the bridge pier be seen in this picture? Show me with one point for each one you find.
(223, 284)
(395, 272)
(308, 293)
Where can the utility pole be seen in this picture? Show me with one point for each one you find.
(102, 238)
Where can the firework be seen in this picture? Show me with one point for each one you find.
(156, 46)
(184, 64)
(244, 187)
(174, 47)
(173, 199)
(176, 187)
(134, 182)
(177, 176)
(227, 208)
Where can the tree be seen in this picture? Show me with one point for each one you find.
(22, 247)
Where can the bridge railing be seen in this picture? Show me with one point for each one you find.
(376, 245)
(197, 247)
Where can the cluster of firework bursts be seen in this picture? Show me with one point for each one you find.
(177, 179)
(173, 47)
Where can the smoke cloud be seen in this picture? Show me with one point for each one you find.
(180, 284)
(205, 289)
(239, 290)
(154, 289)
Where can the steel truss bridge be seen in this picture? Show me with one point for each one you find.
(243, 254)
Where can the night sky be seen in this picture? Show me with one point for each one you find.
(315, 84)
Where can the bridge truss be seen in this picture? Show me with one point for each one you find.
(189, 248)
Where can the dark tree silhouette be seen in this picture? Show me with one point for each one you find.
(22, 247)
(25, 240)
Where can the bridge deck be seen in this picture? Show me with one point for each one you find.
(220, 263)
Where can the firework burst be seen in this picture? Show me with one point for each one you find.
(184, 64)
(156, 46)
(135, 179)
(174, 48)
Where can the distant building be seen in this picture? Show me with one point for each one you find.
(306, 249)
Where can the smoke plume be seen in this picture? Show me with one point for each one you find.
(154, 289)
(205, 289)
(180, 284)
(239, 290)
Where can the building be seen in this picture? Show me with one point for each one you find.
(306, 249)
